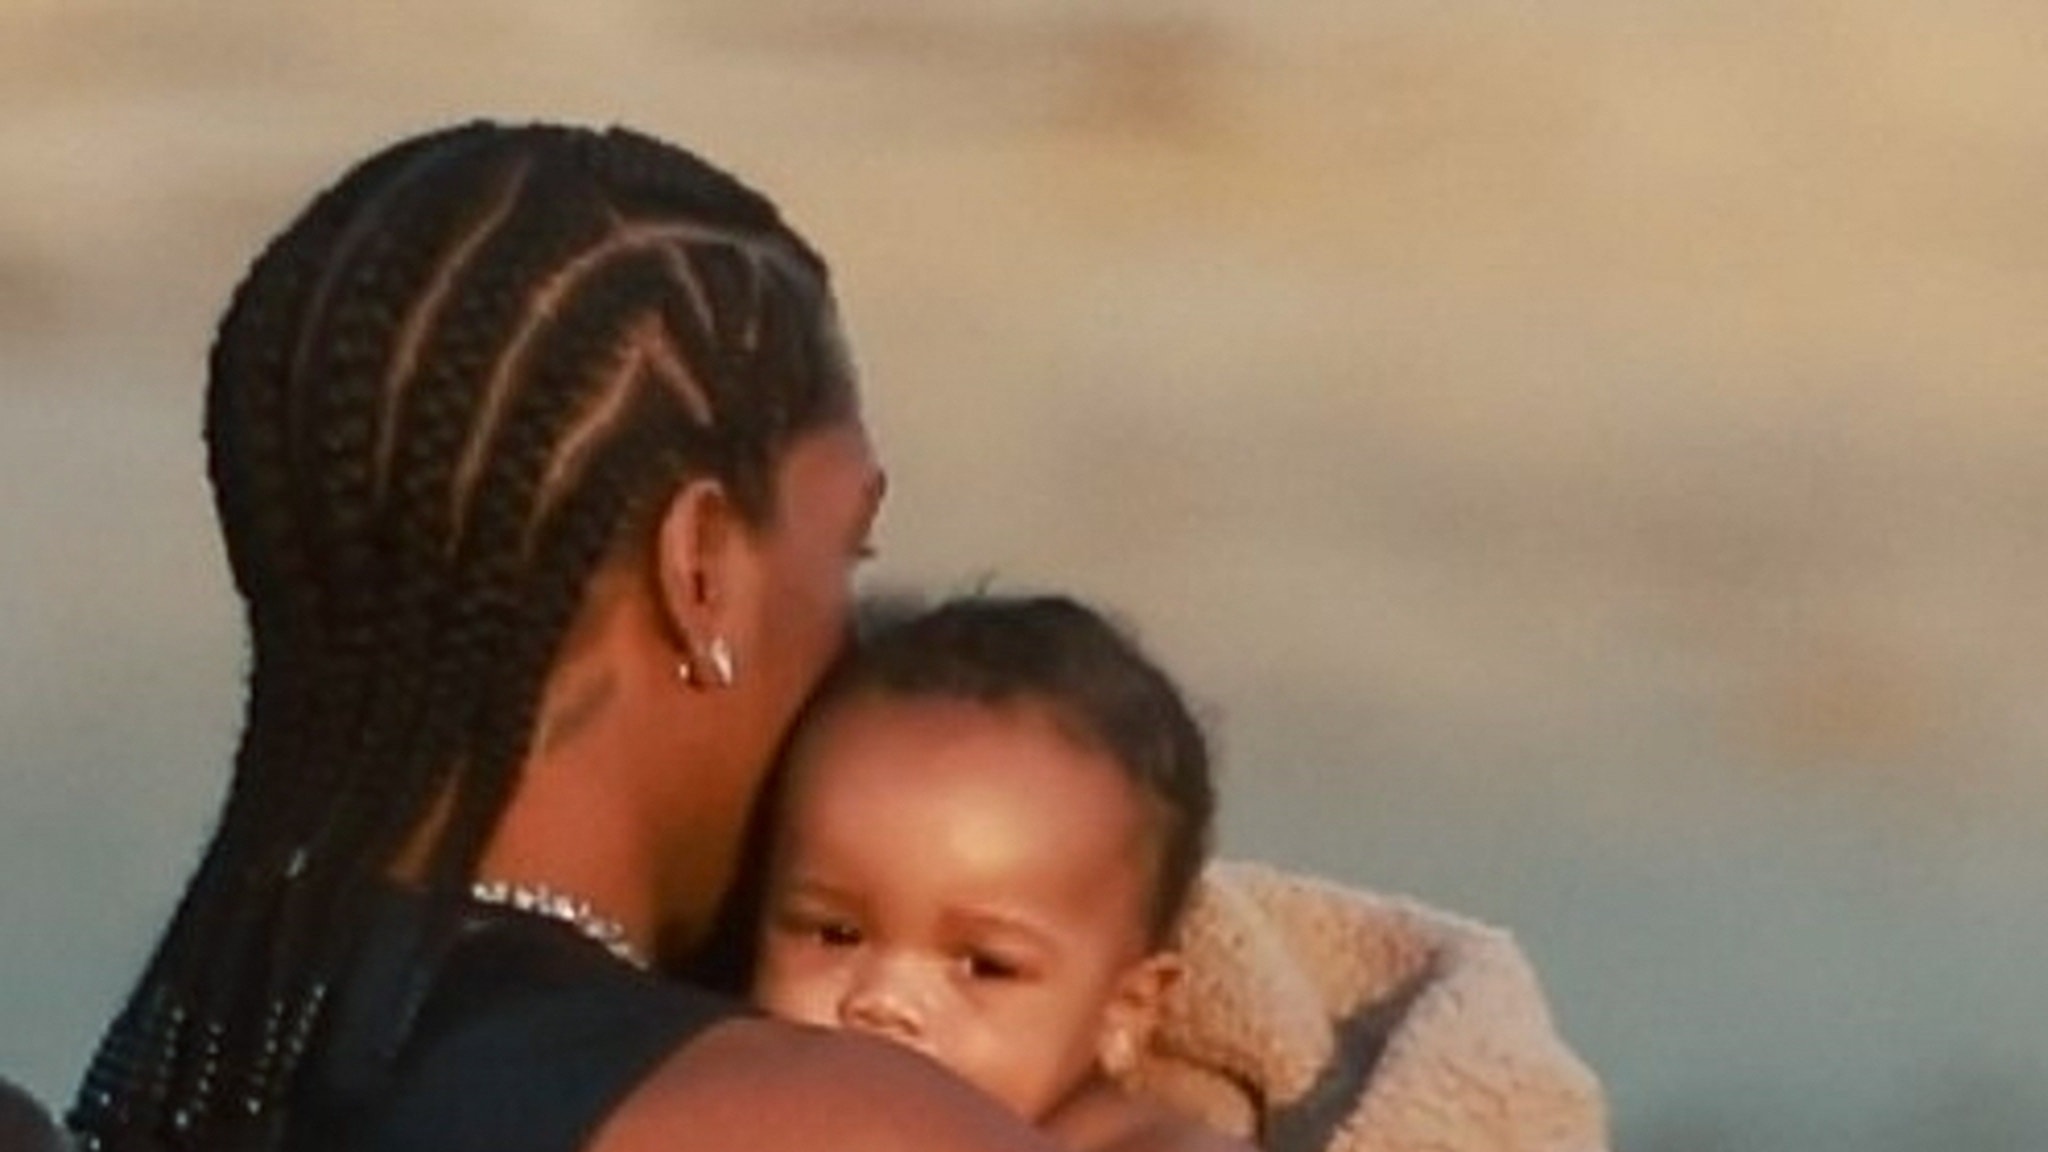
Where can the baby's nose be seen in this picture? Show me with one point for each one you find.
(883, 999)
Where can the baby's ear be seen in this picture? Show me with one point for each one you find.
(1133, 1011)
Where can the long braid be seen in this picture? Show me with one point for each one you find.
(260, 360)
(330, 387)
(132, 1073)
(341, 372)
(436, 403)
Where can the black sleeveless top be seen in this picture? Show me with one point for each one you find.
(472, 1028)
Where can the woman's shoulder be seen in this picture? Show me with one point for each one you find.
(518, 1035)
(1108, 1118)
(474, 1028)
(763, 1084)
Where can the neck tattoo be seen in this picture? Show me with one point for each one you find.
(581, 704)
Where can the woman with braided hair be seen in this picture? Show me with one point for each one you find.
(541, 473)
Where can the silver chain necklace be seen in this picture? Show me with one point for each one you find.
(576, 912)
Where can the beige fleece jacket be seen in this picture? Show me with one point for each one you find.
(1317, 1018)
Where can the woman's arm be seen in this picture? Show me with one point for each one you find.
(1107, 1118)
(761, 1084)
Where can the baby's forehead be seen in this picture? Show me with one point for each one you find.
(1028, 736)
(941, 766)
(931, 723)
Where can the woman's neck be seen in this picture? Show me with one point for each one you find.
(576, 823)
(578, 842)
(605, 802)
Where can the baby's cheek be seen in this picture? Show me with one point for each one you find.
(784, 990)
(1004, 1057)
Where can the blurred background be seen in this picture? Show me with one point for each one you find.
(1587, 457)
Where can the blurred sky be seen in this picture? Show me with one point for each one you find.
(1588, 457)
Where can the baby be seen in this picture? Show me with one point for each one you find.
(992, 818)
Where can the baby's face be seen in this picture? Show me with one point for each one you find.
(966, 880)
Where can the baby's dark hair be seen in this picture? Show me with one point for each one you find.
(1091, 676)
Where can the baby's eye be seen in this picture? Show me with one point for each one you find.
(988, 966)
(836, 934)
(822, 929)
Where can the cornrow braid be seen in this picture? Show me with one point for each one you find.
(156, 1038)
(463, 377)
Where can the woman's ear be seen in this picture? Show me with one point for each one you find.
(1133, 1011)
(694, 562)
